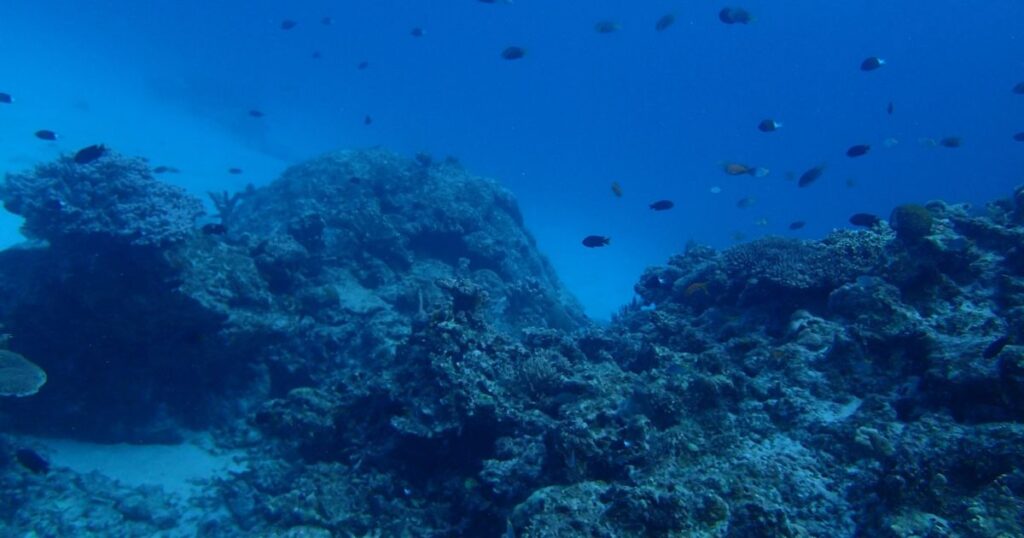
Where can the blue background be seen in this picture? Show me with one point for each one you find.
(657, 112)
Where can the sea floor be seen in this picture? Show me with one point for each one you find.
(181, 470)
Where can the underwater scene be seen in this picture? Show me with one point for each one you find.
(512, 269)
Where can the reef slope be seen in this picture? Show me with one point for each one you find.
(385, 343)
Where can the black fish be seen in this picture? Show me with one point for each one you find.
(417, 32)
(594, 241)
(866, 220)
(165, 170)
(256, 113)
(234, 171)
(89, 154)
(513, 53)
(796, 225)
(996, 347)
(889, 108)
(31, 460)
(662, 205)
(6, 98)
(745, 202)
(664, 22)
(367, 120)
(607, 27)
(1019, 137)
(214, 228)
(362, 65)
(951, 142)
(327, 21)
(858, 151)
(768, 126)
(872, 63)
(811, 176)
(1018, 89)
(46, 134)
(288, 24)
(316, 55)
(735, 15)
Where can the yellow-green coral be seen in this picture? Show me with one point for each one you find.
(911, 222)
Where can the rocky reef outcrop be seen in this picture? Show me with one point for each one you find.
(381, 337)
(320, 269)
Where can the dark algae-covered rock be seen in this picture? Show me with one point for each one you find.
(382, 338)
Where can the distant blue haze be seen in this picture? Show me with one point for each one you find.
(657, 112)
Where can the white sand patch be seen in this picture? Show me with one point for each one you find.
(179, 469)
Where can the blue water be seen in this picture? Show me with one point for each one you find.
(173, 80)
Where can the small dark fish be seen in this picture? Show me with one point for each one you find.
(664, 22)
(851, 183)
(367, 120)
(951, 142)
(234, 171)
(739, 169)
(46, 134)
(594, 241)
(89, 154)
(316, 55)
(1018, 89)
(872, 63)
(31, 460)
(6, 98)
(797, 225)
(866, 220)
(662, 205)
(214, 228)
(616, 189)
(355, 180)
(768, 126)
(607, 27)
(1019, 137)
(327, 21)
(256, 113)
(859, 150)
(165, 170)
(746, 202)
(417, 32)
(996, 347)
(735, 15)
(811, 175)
(288, 24)
(513, 53)
(889, 108)
(362, 65)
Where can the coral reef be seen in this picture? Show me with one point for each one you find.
(114, 199)
(381, 337)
